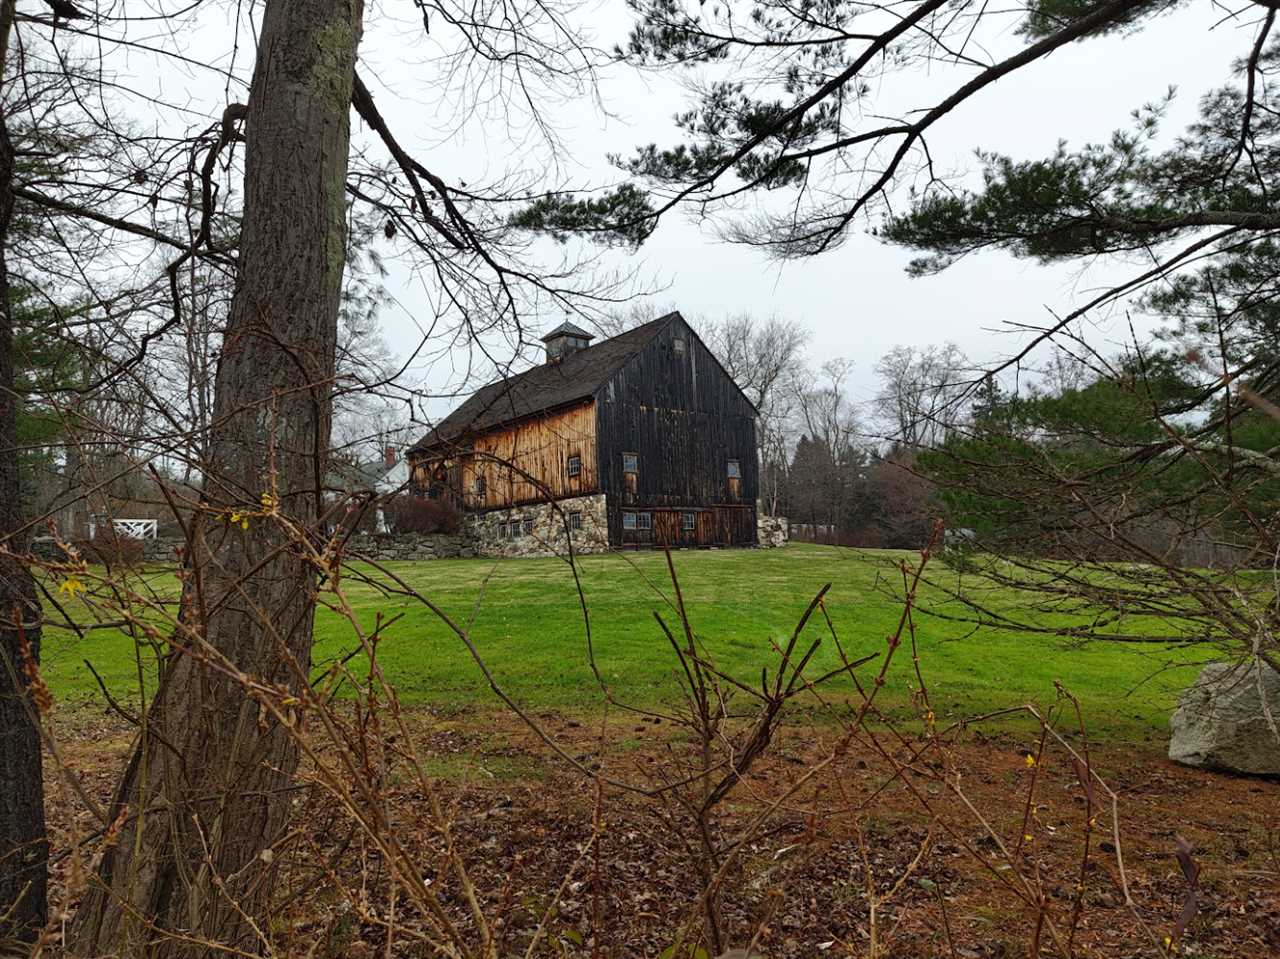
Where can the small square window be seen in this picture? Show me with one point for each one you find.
(628, 520)
(689, 521)
(575, 520)
(528, 527)
(644, 520)
(678, 345)
(630, 463)
(574, 465)
(735, 471)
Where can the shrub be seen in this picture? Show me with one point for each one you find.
(111, 549)
(406, 513)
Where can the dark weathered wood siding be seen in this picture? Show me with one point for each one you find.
(685, 419)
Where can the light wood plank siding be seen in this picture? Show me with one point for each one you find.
(522, 462)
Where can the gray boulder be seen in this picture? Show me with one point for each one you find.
(1220, 722)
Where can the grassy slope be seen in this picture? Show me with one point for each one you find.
(529, 629)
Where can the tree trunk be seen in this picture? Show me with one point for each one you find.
(24, 851)
(207, 791)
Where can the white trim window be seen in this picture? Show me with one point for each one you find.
(689, 521)
(629, 520)
(573, 466)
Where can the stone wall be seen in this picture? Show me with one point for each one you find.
(162, 550)
(772, 531)
(385, 547)
(153, 550)
(541, 530)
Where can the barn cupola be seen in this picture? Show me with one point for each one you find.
(565, 339)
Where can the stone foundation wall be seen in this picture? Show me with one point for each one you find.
(772, 531)
(542, 528)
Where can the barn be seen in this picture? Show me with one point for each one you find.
(639, 440)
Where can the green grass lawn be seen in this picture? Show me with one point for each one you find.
(528, 626)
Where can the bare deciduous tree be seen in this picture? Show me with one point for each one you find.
(920, 392)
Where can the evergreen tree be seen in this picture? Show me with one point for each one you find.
(807, 122)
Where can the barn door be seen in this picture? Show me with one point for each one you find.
(666, 528)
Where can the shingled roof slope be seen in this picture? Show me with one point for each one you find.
(543, 387)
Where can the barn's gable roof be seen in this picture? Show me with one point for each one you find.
(544, 387)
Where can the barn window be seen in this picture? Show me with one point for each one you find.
(735, 471)
(678, 345)
(574, 465)
(630, 463)
(575, 520)
(628, 520)
(435, 490)
(644, 520)
(479, 484)
(528, 527)
(689, 521)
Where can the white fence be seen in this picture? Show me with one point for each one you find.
(126, 528)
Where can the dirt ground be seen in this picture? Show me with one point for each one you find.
(522, 822)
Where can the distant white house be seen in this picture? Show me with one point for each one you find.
(395, 475)
(394, 479)
(384, 477)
